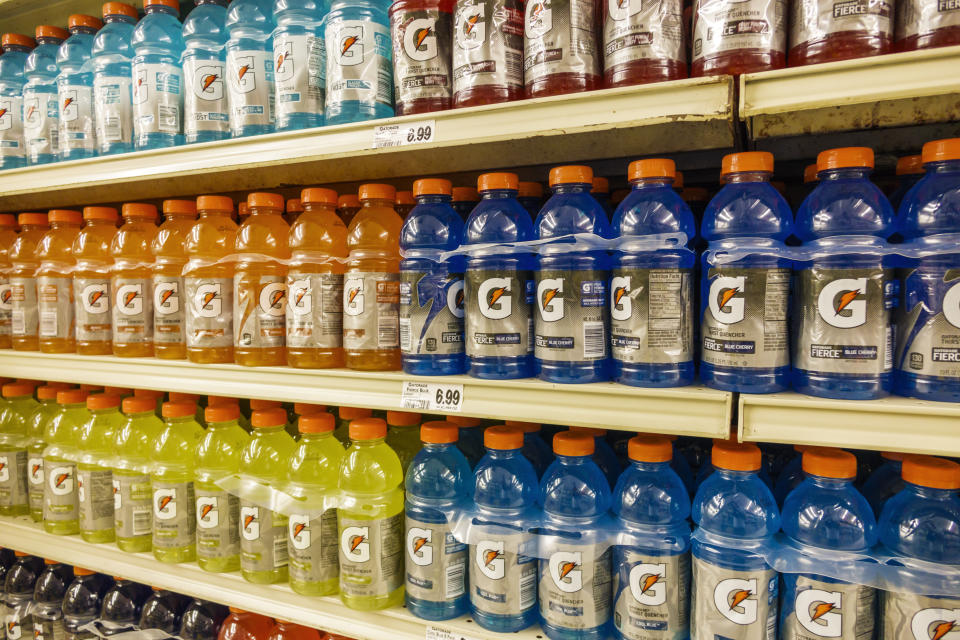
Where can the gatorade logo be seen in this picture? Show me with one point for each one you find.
(117, 499)
(299, 531)
(283, 51)
(61, 480)
(165, 504)
(166, 297)
(68, 106)
(355, 543)
(4, 469)
(130, 299)
(353, 296)
(455, 299)
(418, 546)
(471, 27)
(244, 77)
(31, 110)
(726, 299)
(208, 82)
(551, 306)
(349, 48)
(208, 516)
(494, 299)
(273, 299)
(489, 556)
(841, 303)
(300, 298)
(13, 628)
(648, 584)
(95, 298)
(6, 297)
(37, 633)
(250, 523)
(420, 39)
(818, 612)
(539, 18)
(951, 305)
(139, 86)
(621, 304)
(209, 300)
(935, 624)
(36, 470)
(736, 600)
(565, 570)
(6, 115)
(623, 9)
(81, 490)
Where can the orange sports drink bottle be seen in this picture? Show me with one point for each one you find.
(318, 247)
(260, 284)
(55, 282)
(23, 281)
(8, 235)
(131, 283)
(91, 281)
(170, 256)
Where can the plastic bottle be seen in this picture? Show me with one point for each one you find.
(422, 34)
(909, 171)
(470, 442)
(202, 620)
(534, 449)
(131, 281)
(44, 411)
(170, 256)
(643, 42)
(8, 235)
(206, 110)
(158, 77)
(844, 332)
(741, 351)
(299, 54)
(318, 244)
(530, 195)
(23, 281)
(91, 281)
(40, 102)
(122, 606)
(603, 454)
(250, 67)
(18, 595)
(110, 58)
(885, 482)
(260, 286)
(16, 48)
(560, 48)
(652, 291)
(346, 415)
(821, 33)
(14, 494)
(347, 206)
(924, 26)
(163, 610)
(734, 589)
(844, 523)
(295, 208)
(241, 625)
(94, 475)
(208, 283)
(733, 38)
(61, 509)
(132, 492)
(75, 90)
(403, 435)
(6, 561)
(48, 595)
(371, 287)
(431, 292)
(83, 601)
(464, 200)
(487, 51)
(288, 631)
(499, 287)
(370, 522)
(313, 535)
(263, 533)
(54, 282)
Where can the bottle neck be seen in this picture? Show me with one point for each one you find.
(930, 493)
(215, 214)
(221, 3)
(160, 8)
(136, 219)
(74, 405)
(222, 425)
(747, 176)
(845, 173)
(49, 40)
(830, 483)
(438, 448)
(366, 203)
(264, 211)
(573, 461)
(64, 225)
(503, 454)
(139, 414)
(649, 466)
(315, 437)
(178, 216)
(730, 474)
(103, 412)
(16, 47)
(498, 194)
(571, 187)
(946, 166)
(651, 183)
(33, 227)
(268, 431)
(178, 420)
(329, 208)
(372, 442)
(118, 18)
(96, 222)
(82, 29)
(432, 198)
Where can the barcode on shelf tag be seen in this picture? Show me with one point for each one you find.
(432, 396)
(434, 632)
(400, 135)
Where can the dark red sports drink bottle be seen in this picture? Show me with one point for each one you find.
(923, 25)
(823, 31)
(422, 34)
(643, 42)
(487, 52)
(738, 36)
(560, 53)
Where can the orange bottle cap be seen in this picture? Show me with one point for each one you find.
(939, 151)
(216, 401)
(525, 427)
(265, 418)
(573, 443)
(488, 181)
(810, 173)
(235, 610)
(173, 4)
(600, 185)
(243, 210)
(403, 418)
(318, 195)
(91, 388)
(936, 473)
(259, 405)
(17, 389)
(464, 421)
(368, 429)
(7, 220)
(439, 432)
(652, 168)
(137, 404)
(139, 210)
(72, 396)
(21, 554)
(746, 161)
(352, 413)
(80, 571)
(120, 391)
(845, 157)
(221, 412)
(103, 401)
(432, 186)
(375, 191)
(49, 31)
(64, 216)
(893, 455)
(47, 392)
(50, 561)
(465, 194)
(306, 409)
(348, 201)
(530, 190)
(100, 213)
(37, 219)
(649, 448)
(119, 9)
(571, 174)
(17, 39)
(180, 207)
(294, 205)
(179, 396)
(829, 463)
(319, 422)
(153, 394)
(215, 203)
(262, 200)
(736, 456)
(594, 433)
(178, 409)
(910, 165)
(503, 437)
(81, 20)
(678, 180)
(404, 197)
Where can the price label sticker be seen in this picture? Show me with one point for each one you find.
(400, 135)
(432, 396)
(434, 632)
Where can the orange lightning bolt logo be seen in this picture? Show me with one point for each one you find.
(207, 508)
(566, 568)
(207, 299)
(537, 10)
(618, 294)
(353, 294)
(35, 469)
(821, 610)
(30, 112)
(303, 293)
(459, 301)
(248, 521)
(496, 295)
(490, 556)
(349, 42)
(418, 544)
(3, 112)
(942, 629)
(67, 103)
(649, 581)
(738, 597)
(846, 299)
(96, 295)
(2, 465)
(300, 527)
(130, 297)
(242, 72)
(11, 626)
(207, 81)
(355, 542)
(549, 296)
(277, 297)
(727, 295)
(164, 501)
(166, 295)
(471, 22)
(421, 36)
(7, 295)
(280, 60)
(61, 479)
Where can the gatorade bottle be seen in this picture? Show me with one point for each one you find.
(289, 631)
(922, 26)
(202, 620)
(313, 535)
(18, 589)
(499, 286)
(431, 292)
(241, 625)
(163, 610)
(44, 411)
(157, 77)
(487, 51)
(122, 606)
(734, 589)
(61, 515)
(23, 281)
(208, 283)
(299, 55)
(48, 595)
(250, 82)
(371, 287)
(132, 493)
(815, 604)
(909, 171)
(131, 283)
(94, 475)
(8, 235)
(112, 98)
(470, 441)
(6, 561)
(174, 524)
(347, 206)
(14, 494)
(318, 246)
(263, 533)
(560, 48)
(359, 67)
(844, 333)
(651, 308)
(82, 602)
(531, 197)
(403, 435)
(75, 90)
(346, 415)
(40, 102)
(744, 335)
(294, 209)
(603, 454)
(534, 449)
(206, 112)
(16, 48)
(421, 32)
(91, 281)
(464, 200)
(820, 34)
(885, 482)
(370, 522)
(170, 256)
(54, 282)
(725, 42)
(643, 43)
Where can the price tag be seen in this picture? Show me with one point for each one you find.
(432, 396)
(400, 135)
(439, 633)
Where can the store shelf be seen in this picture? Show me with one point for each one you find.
(22, 16)
(693, 411)
(894, 423)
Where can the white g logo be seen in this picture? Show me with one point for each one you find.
(951, 305)
(736, 600)
(489, 557)
(493, 297)
(208, 300)
(420, 39)
(471, 27)
(355, 543)
(838, 303)
(349, 43)
(725, 304)
(243, 73)
(299, 298)
(299, 531)
(621, 304)
(165, 504)
(648, 584)
(130, 299)
(208, 81)
(931, 623)
(208, 516)
(250, 523)
(817, 612)
(271, 299)
(165, 297)
(551, 306)
(95, 298)
(353, 296)
(61, 480)
(419, 546)
(455, 299)
(565, 570)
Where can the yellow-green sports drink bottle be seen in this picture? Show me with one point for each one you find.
(346, 415)
(45, 410)
(18, 404)
(370, 520)
(94, 475)
(132, 495)
(61, 508)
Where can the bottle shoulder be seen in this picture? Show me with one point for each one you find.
(844, 207)
(114, 38)
(319, 231)
(652, 211)
(569, 213)
(435, 226)
(498, 220)
(932, 206)
(747, 209)
(829, 517)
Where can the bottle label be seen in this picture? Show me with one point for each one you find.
(11, 127)
(114, 109)
(575, 586)
(745, 317)
(436, 561)
(92, 296)
(499, 317)
(651, 595)
(218, 524)
(157, 98)
(259, 306)
(503, 578)
(560, 37)
(916, 617)
(132, 505)
(358, 63)
(167, 311)
(930, 323)
(250, 82)
(35, 483)
(173, 524)
(55, 307)
(301, 68)
(95, 498)
(651, 315)
(431, 312)
(734, 604)
(205, 106)
(371, 306)
(132, 310)
(13, 478)
(263, 538)
(6, 303)
(371, 555)
(916, 18)
(814, 20)
(421, 54)
(209, 321)
(40, 128)
(844, 321)
(76, 118)
(18, 621)
(636, 30)
(827, 610)
(315, 310)
(60, 492)
(721, 26)
(49, 624)
(572, 315)
(313, 547)
(488, 44)
(23, 312)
